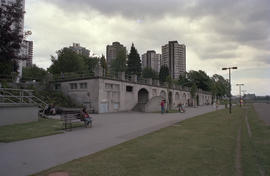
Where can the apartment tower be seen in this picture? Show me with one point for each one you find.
(113, 50)
(151, 59)
(80, 50)
(174, 57)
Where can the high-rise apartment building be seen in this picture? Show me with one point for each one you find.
(80, 50)
(27, 52)
(151, 59)
(113, 50)
(174, 56)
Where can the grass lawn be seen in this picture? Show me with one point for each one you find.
(258, 146)
(204, 145)
(43, 127)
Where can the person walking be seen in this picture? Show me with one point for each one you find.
(162, 105)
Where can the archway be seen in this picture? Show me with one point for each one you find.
(177, 97)
(184, 99)
(163, 94)
(143, 96)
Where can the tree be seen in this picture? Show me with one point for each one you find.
(149, 73)
(103, 64)
(183, 81)
(68, 61)
(34, 72)
(220, 87)
(134, 65)
(91, 63)
(119, 64)
(200, 78)
(11, 36)
(193, 92)
(164, 73)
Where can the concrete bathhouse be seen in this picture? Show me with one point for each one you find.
(112, 95)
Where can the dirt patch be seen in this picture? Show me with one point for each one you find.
(263, 111)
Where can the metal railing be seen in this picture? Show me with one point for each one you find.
(20, 96)
(126, 77)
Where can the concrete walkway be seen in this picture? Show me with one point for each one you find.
(34, 155)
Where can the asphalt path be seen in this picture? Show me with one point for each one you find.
(263, 110)
(34, 155)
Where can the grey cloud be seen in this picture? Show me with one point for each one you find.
(264, 58)
(242, 22)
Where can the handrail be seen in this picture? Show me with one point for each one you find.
(15, 96)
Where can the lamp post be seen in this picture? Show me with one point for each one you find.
(230, 96)
(240, 99)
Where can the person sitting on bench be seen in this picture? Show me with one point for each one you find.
(85, 117)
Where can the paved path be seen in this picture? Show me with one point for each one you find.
(34, 155)
(263, 110)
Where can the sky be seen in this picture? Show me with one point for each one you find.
(217, 33)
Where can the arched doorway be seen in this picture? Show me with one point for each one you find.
(163, 94)
(143, 96)
(184, 99)
(177, 97)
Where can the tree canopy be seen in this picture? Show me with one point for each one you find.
(220, 86)
(34, 73)
(134, 65)
(163, 73)
(199, 78)
(104, 65)
(11, 35)
(149, 73)
(216, 84)
(69, 61)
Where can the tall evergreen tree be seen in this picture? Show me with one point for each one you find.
(134, 65)
(11, 36)
(103, 64)
(164, 73)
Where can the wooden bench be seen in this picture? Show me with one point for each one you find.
(72, 116)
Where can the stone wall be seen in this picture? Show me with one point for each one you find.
(85, 93)
(17, 113)
(109, 95)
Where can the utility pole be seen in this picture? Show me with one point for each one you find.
(230, 96)
(240, 99)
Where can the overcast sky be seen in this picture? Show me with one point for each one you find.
(217, 33)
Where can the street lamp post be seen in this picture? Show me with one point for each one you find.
(230, 96)
(240, 93)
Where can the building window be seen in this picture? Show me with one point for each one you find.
(108, 86)
(83, 85)
(73, 85)
(129, 88)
